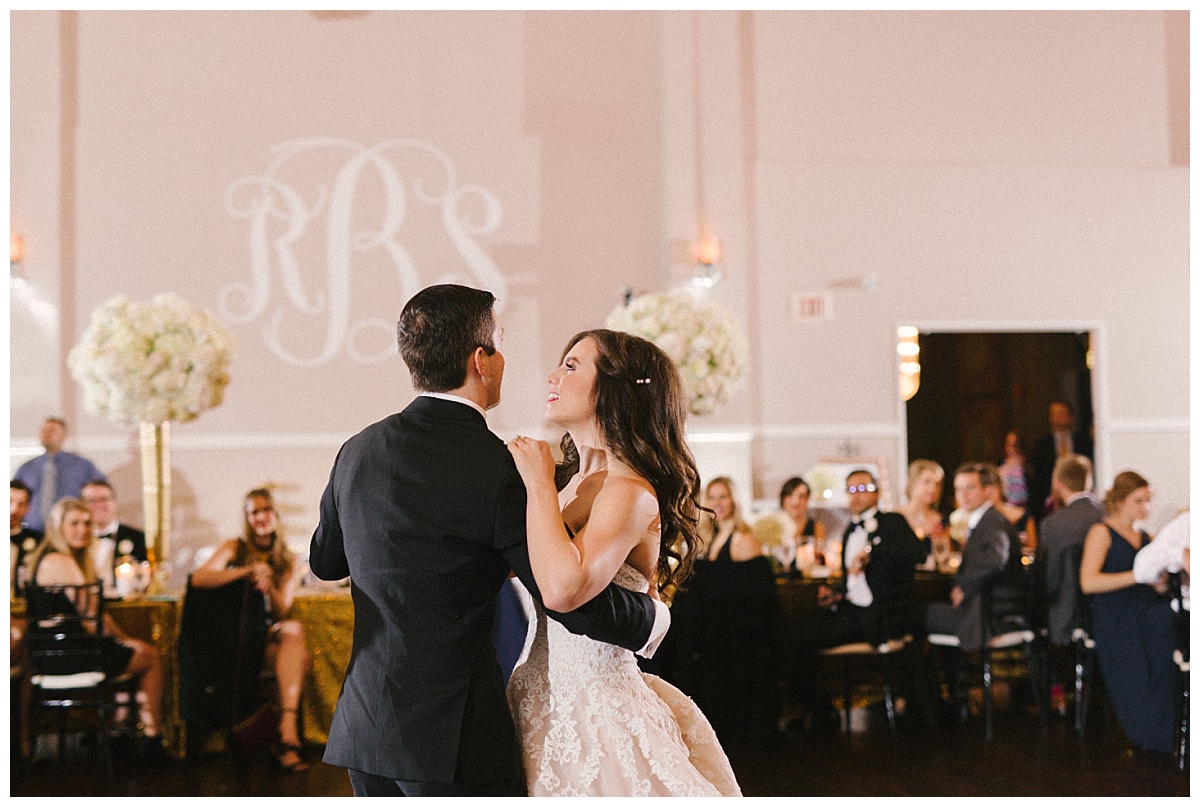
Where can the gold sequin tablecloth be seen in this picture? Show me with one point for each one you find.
(328, 620)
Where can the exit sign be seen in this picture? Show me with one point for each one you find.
(807, 306)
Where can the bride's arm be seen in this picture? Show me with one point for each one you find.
(571, 572)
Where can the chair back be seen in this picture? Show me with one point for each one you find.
(1083, 603)
(1007, 601)
(65, 630)
(1182, 614)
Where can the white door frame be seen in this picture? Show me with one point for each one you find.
(1099, 377)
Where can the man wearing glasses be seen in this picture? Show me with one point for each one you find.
(872, 602)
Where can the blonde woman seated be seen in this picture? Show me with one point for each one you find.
(923, 493)
(64, 558)
(724, 529)
(263, 557)
(791, 535)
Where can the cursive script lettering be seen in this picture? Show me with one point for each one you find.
(279, 216)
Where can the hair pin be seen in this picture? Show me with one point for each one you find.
(642, 380)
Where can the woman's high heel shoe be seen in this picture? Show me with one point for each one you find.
(281, 751)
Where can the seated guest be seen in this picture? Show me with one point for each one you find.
(262, 556)
(1057, 565)
(992, 552)
(1062, 534)
(114, 540)
(1168, 553)
(880, 553)
(924, 492)
(785, 532)
(64, 558)
(22, 539)
(1133, 626)
(724, 623)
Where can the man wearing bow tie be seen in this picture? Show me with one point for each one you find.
(22, 539)
(113, 539)
(873, 602)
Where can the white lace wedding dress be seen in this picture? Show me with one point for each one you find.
(593, 724)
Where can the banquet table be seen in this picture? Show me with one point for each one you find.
(154, 619)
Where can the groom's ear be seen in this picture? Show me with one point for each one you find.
(478, 364)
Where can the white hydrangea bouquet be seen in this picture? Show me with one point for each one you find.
(150, 363)
(705, 342)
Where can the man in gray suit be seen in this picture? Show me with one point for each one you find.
(1060, 546)
(992, 554)
(1060, 541)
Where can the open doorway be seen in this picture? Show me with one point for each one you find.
(978, 386)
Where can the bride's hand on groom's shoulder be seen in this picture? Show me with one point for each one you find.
(533, 458)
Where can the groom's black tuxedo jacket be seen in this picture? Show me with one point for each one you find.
(425, 511)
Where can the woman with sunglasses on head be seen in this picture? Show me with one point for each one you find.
(590, 722)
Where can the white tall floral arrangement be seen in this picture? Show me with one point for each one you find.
(153, 362)
(702, 338)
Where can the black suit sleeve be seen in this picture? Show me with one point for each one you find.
(615, 616)
(139, 541)
(326, 550)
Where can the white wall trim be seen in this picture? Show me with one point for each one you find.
(1150, 425)
(234, 441)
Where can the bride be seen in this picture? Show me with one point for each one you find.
(590, 722)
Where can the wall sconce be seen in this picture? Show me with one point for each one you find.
(16, 254)
(910, 361)
(706, 252)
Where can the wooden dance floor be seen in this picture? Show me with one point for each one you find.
(921, 761)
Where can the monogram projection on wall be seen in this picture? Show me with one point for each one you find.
(312, 245)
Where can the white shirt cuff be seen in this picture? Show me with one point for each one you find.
(662, 622)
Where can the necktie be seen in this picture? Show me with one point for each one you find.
(49, 487)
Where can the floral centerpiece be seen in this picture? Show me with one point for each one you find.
(152, 362)
(702, 338)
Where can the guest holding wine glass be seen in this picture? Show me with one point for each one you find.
(923, 493)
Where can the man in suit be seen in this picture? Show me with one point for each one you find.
(880, 553)
(54, 474)
(22, 539)
(114, 540)
(992, 552)
(1060, 542)
(425, 512)
(1062, 441)
(991, 555)
(1060, 547)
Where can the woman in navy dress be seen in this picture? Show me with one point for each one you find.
(1132, 624)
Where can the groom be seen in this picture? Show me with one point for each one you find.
(425, 512)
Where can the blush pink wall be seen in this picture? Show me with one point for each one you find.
(1020, 169)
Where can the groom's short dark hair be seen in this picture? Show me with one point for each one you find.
(438, 331)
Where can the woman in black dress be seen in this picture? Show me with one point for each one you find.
(1133, 626)
(64, 558)
(725, 623)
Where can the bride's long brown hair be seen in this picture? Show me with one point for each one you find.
(641, 412)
